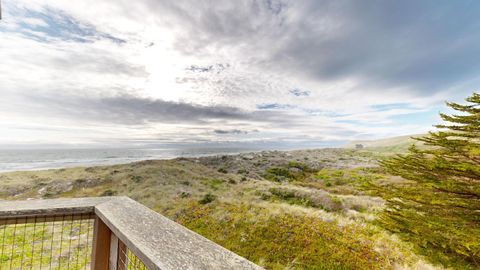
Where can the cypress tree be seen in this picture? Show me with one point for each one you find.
(437, 207)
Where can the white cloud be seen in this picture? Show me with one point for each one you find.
(64, 63)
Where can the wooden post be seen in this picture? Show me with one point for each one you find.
(113, 252)
(122, 256)
(101, 245)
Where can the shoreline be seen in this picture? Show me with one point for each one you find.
(66, 163)
(321, 187)
(108, 161)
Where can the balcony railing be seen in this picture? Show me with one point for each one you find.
(114, 233)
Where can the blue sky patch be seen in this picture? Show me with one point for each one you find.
(391, 106)
(429, 117)
(58, 25)
(273, 106)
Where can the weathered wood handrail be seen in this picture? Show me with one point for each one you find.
(122, 223)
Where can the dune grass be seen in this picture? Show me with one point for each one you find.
(315, 212)
(285, 241)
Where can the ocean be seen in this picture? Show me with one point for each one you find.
(39, 159)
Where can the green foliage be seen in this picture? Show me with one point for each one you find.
(285, 241)
(291, 197)
(294, 171)
(278, 174)
(301, 166)
(222, 170)
(343, 181)
(214, 183)
(242, 171)
(208, 198)
(439, 209)
(136, 178)
(109, 192)
(308, 199)
(184, 194)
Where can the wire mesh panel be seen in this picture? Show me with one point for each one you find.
(56, 242)
(127, 260)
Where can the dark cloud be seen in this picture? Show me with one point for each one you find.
(210, 68)
(427, 45)
(273, 106)
(132, 110)
(128, 109)
(424, 47)
(299, 93)
(230, 131)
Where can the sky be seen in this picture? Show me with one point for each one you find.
(155, 72)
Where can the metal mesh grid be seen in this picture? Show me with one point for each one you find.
(57, 242)
(127, 260)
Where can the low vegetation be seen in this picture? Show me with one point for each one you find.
(308, 198)
(298, 222)
(286, 240)
(293, 171)
(309, 209)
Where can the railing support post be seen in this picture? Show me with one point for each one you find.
(122, 256)
(118, 254)
(101, 245)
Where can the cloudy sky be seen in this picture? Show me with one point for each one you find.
(108, 72)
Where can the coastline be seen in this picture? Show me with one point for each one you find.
(12, 160)
(320, 187)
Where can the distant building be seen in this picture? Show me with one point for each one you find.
(358, 146)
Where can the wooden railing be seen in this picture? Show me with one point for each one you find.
(103, 233)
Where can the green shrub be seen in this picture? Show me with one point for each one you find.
(109, 192)
(320, 200)
(241, 171)
(186, 183)
(301, 166)
(213, 183)
(184, 194)
(265, 196)
(293, 171)
(279, 174)
(208, 198)
(136, 178)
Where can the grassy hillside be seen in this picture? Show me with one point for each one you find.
(309, 209)
(391, 145)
